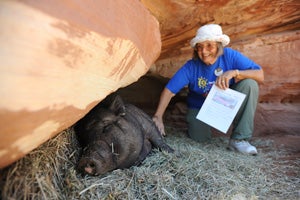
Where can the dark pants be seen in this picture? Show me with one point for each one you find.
(243, 123)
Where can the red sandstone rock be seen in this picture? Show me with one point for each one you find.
(60, 58)
(179, 20)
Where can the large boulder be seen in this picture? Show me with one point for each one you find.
(59, 58)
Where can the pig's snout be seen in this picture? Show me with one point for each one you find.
(88, 166)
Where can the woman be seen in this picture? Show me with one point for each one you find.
(224, 67)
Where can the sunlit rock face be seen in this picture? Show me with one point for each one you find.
(59, 58)
(179, 20)
(266, 31)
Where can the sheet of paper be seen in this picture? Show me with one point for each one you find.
(220, 107)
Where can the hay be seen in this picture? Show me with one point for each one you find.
(195, 171)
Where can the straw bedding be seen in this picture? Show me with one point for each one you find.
(195, 171)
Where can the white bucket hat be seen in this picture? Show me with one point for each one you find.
(210, 32)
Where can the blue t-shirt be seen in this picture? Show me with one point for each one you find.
(200, 77)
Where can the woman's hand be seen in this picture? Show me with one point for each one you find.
(255, 74)
(160, 125)
(223, 80)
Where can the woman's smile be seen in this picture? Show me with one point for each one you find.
(207, 52)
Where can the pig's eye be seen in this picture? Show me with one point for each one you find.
(92, 165)
(106, 122)
(107, 127)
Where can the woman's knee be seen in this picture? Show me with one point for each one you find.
(246, 86)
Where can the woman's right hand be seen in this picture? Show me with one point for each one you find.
(160, 125)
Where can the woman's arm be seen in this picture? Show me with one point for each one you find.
(255, 74)
(164, 101)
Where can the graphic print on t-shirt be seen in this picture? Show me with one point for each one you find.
(204, 85)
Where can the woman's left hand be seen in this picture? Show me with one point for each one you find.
(223, 80)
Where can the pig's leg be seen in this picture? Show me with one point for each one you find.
(156, 139)
(149, 128)
(147, 147)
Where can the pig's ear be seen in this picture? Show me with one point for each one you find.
(117, 105)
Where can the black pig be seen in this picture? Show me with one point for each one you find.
(116, 136)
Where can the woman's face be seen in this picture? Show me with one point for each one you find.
(207, 51)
